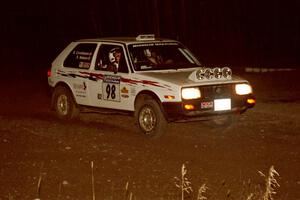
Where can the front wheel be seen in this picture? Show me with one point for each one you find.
(149, 117)
(64, 104)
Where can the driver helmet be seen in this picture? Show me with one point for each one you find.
(111, 54)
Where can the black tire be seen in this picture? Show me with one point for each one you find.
(64, 104)
(149, 117)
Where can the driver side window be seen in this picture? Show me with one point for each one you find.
(111, 58)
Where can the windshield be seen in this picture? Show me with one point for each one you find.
(160, 56)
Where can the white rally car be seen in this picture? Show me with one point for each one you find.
(156, 80)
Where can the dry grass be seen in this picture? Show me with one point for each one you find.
(270, 187)
(183, 183)
(271, 183)
(186, 190)
(201, 192)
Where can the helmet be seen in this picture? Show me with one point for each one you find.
(111, 54)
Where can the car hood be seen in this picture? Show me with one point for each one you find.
(183, 78)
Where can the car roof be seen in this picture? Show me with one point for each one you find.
(125, 40)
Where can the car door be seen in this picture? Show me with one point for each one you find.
(108, 85)
(76, 65)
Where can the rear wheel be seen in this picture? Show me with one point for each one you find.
(149, 117)
(64, 103)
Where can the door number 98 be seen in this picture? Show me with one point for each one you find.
(111, 91)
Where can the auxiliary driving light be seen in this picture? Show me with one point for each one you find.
(227, 73)
(217, 72)
(208, 74)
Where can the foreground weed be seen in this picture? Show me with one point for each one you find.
(271, 183)
(183, 183)
(127, 195)
(39, 185)
(186, 190)
(93, 181)
(201, 192)
(250, 196)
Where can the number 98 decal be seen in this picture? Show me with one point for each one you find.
(111, 88)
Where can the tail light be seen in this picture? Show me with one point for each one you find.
(49, 73)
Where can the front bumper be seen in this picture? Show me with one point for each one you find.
(175, 111)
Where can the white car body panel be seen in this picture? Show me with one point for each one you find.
(90, 87)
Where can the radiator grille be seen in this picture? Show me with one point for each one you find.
(216, 91)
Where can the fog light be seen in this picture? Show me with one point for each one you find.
(189, 106)
(251, 101)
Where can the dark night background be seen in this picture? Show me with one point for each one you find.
(220, 32)
(236, 33)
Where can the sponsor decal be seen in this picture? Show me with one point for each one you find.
(80, 86)
(80, 55)
(81, 95)
(155, 44)
(124, 90)
(111, 79)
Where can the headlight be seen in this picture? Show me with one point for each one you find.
(190, 93)
(243, 89)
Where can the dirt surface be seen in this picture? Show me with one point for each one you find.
(34, 143)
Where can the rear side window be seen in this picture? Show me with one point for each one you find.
(81, 56)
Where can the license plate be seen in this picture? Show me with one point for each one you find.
(205, 105)
(222, 104)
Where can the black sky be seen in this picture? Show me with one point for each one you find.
(220, 32)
